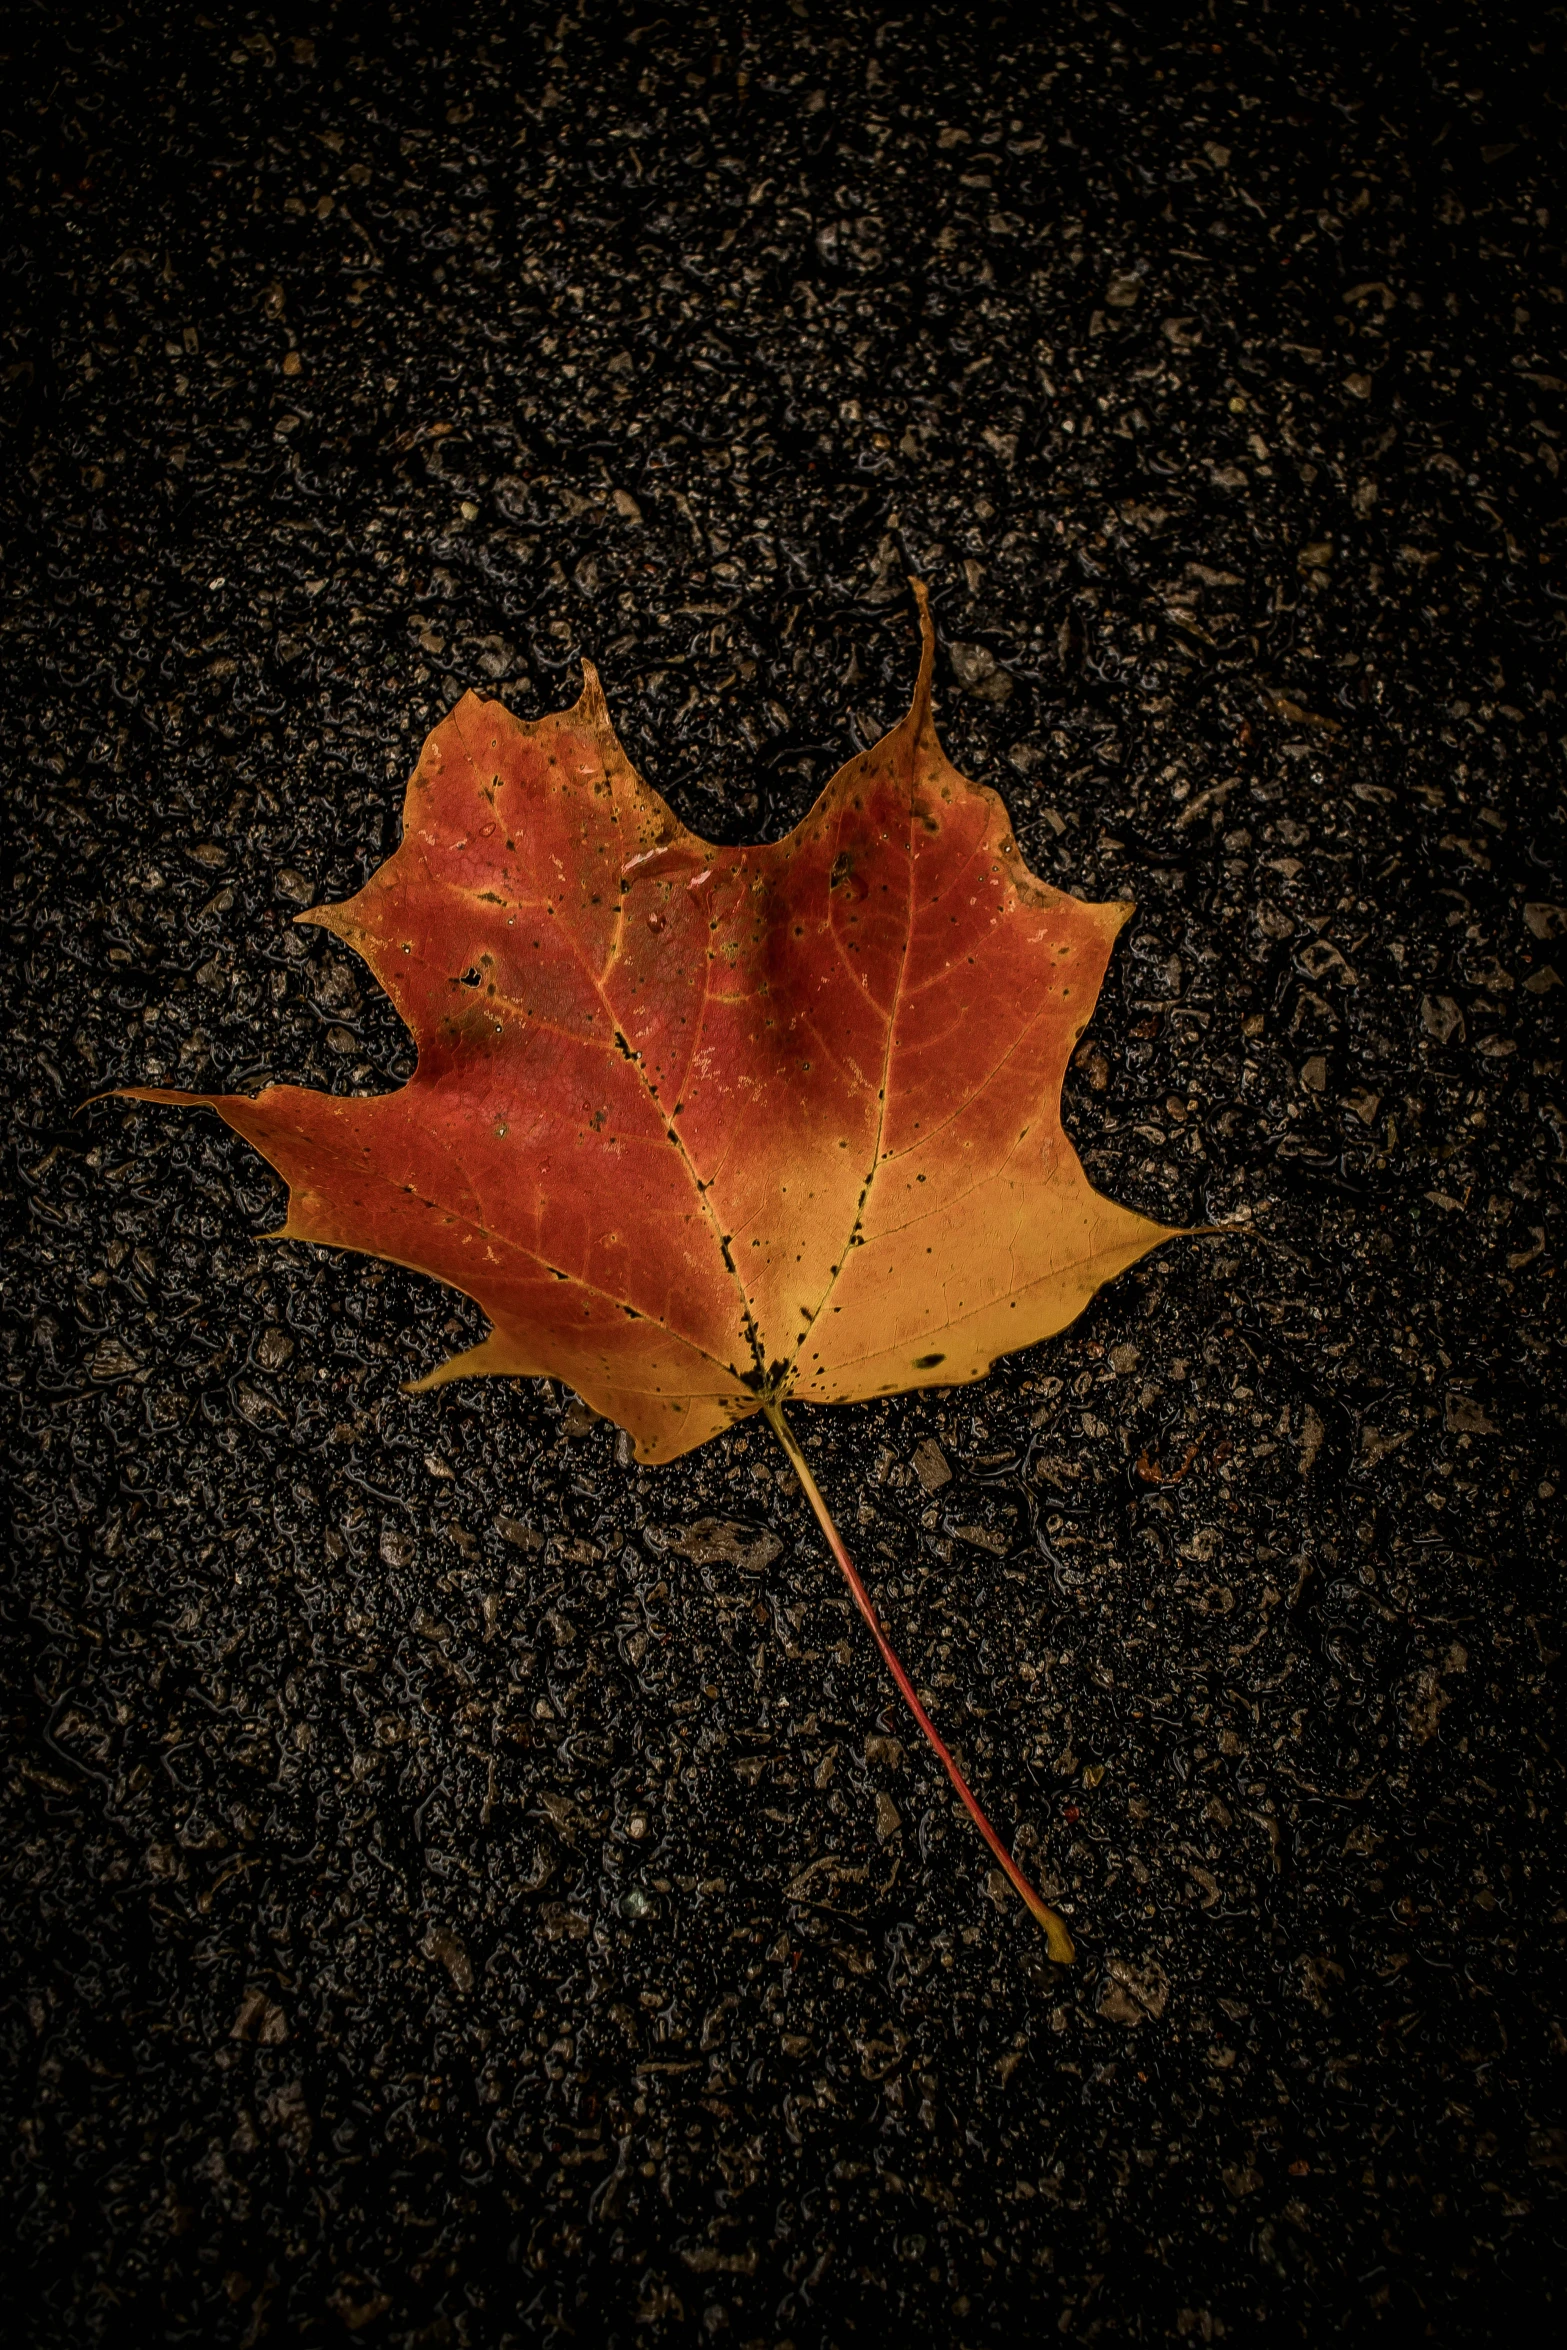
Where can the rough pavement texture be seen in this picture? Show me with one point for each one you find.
(462, 1890)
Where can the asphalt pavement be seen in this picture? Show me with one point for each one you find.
(462, 1888)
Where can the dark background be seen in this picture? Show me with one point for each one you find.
(449, 1901)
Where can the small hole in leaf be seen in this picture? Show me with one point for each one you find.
(470, 977)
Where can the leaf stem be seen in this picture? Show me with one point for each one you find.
(1056, 1935)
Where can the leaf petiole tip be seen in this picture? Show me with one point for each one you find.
(1057, 1939)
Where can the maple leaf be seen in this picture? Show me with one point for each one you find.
(707, 1129)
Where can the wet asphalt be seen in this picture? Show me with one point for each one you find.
(462, 1889)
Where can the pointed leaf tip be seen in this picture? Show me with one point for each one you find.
(920, 706)
(591, 702)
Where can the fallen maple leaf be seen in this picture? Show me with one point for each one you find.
(702, 1129)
